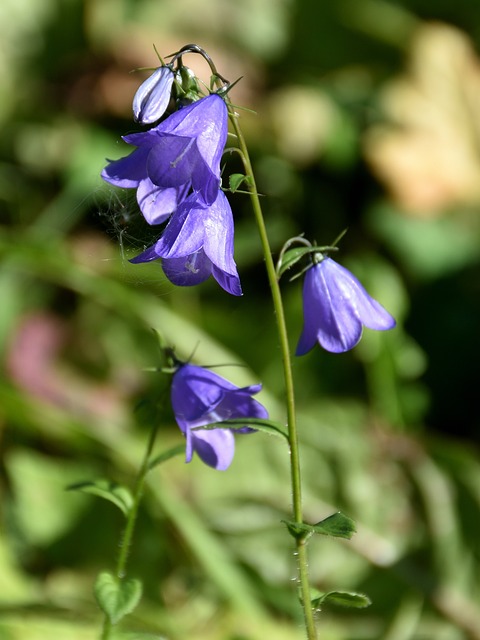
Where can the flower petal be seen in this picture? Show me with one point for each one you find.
(172, 161)
(127, 172)
(184, 234)
(216, 447)
(156, 203)
(189, 270)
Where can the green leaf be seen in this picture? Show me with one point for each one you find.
(342, 599)
(166, 455)
(337, 525)
(267, 426)
(116, 599)
(108, 490)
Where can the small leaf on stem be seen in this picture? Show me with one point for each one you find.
(337, 525)
(116, 598)
(342, 599)
(108, 490)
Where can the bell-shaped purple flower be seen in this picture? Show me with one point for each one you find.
(181, 153)
(201, 397)
(152, 97)
(196, 243)
(335, 308)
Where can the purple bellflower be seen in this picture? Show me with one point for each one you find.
(201, 397)
(198, 242)
(335, 309)
(152, 97)
(181, 153)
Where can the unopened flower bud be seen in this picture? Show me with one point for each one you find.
(153, 96)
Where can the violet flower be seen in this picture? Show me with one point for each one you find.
(152, 97)
(335, 308)
(198, 242)
(201, 397)
(181, 153)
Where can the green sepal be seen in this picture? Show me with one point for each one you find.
(108, 490)
(166, 455)
(235, 180)
(291, 257)
(267, 426)
(337, 525)
(348, 599)
(116, 598)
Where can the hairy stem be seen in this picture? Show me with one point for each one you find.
(288, 377)
(127, 536)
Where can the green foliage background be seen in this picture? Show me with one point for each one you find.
(389, 431)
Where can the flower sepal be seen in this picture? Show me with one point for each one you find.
(270, 427)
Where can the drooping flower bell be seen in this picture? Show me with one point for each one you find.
(336, 307)
(198, 242)
(180, 154)
(152, 97)
(201, 397)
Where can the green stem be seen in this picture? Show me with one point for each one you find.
(288, 376)
(127, 537)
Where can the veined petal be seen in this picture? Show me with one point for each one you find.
(218, 234)
(172, 161)
(207, 120)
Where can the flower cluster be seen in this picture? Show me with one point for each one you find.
(175, 170)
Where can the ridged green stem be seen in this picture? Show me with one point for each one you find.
(289, 386)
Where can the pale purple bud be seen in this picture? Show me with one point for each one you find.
(153, 96)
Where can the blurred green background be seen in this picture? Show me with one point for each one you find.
(367, 117)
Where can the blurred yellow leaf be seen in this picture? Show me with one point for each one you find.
(427, 153)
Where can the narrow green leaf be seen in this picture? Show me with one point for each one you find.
(291, 257)
(166, 455)
(343, 599)
(116, 599)
(267, 426)
(108, 490)
(338, 525)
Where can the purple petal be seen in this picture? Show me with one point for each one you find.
(218, 234)
(230, 283)
(195, 393)
(153, 95)
(215, 447)
(336, 306)
(172, 161)
(184, 233)
(146, 256)
(189, 270)
(156, 203)
(129, 171)
(207, 120)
